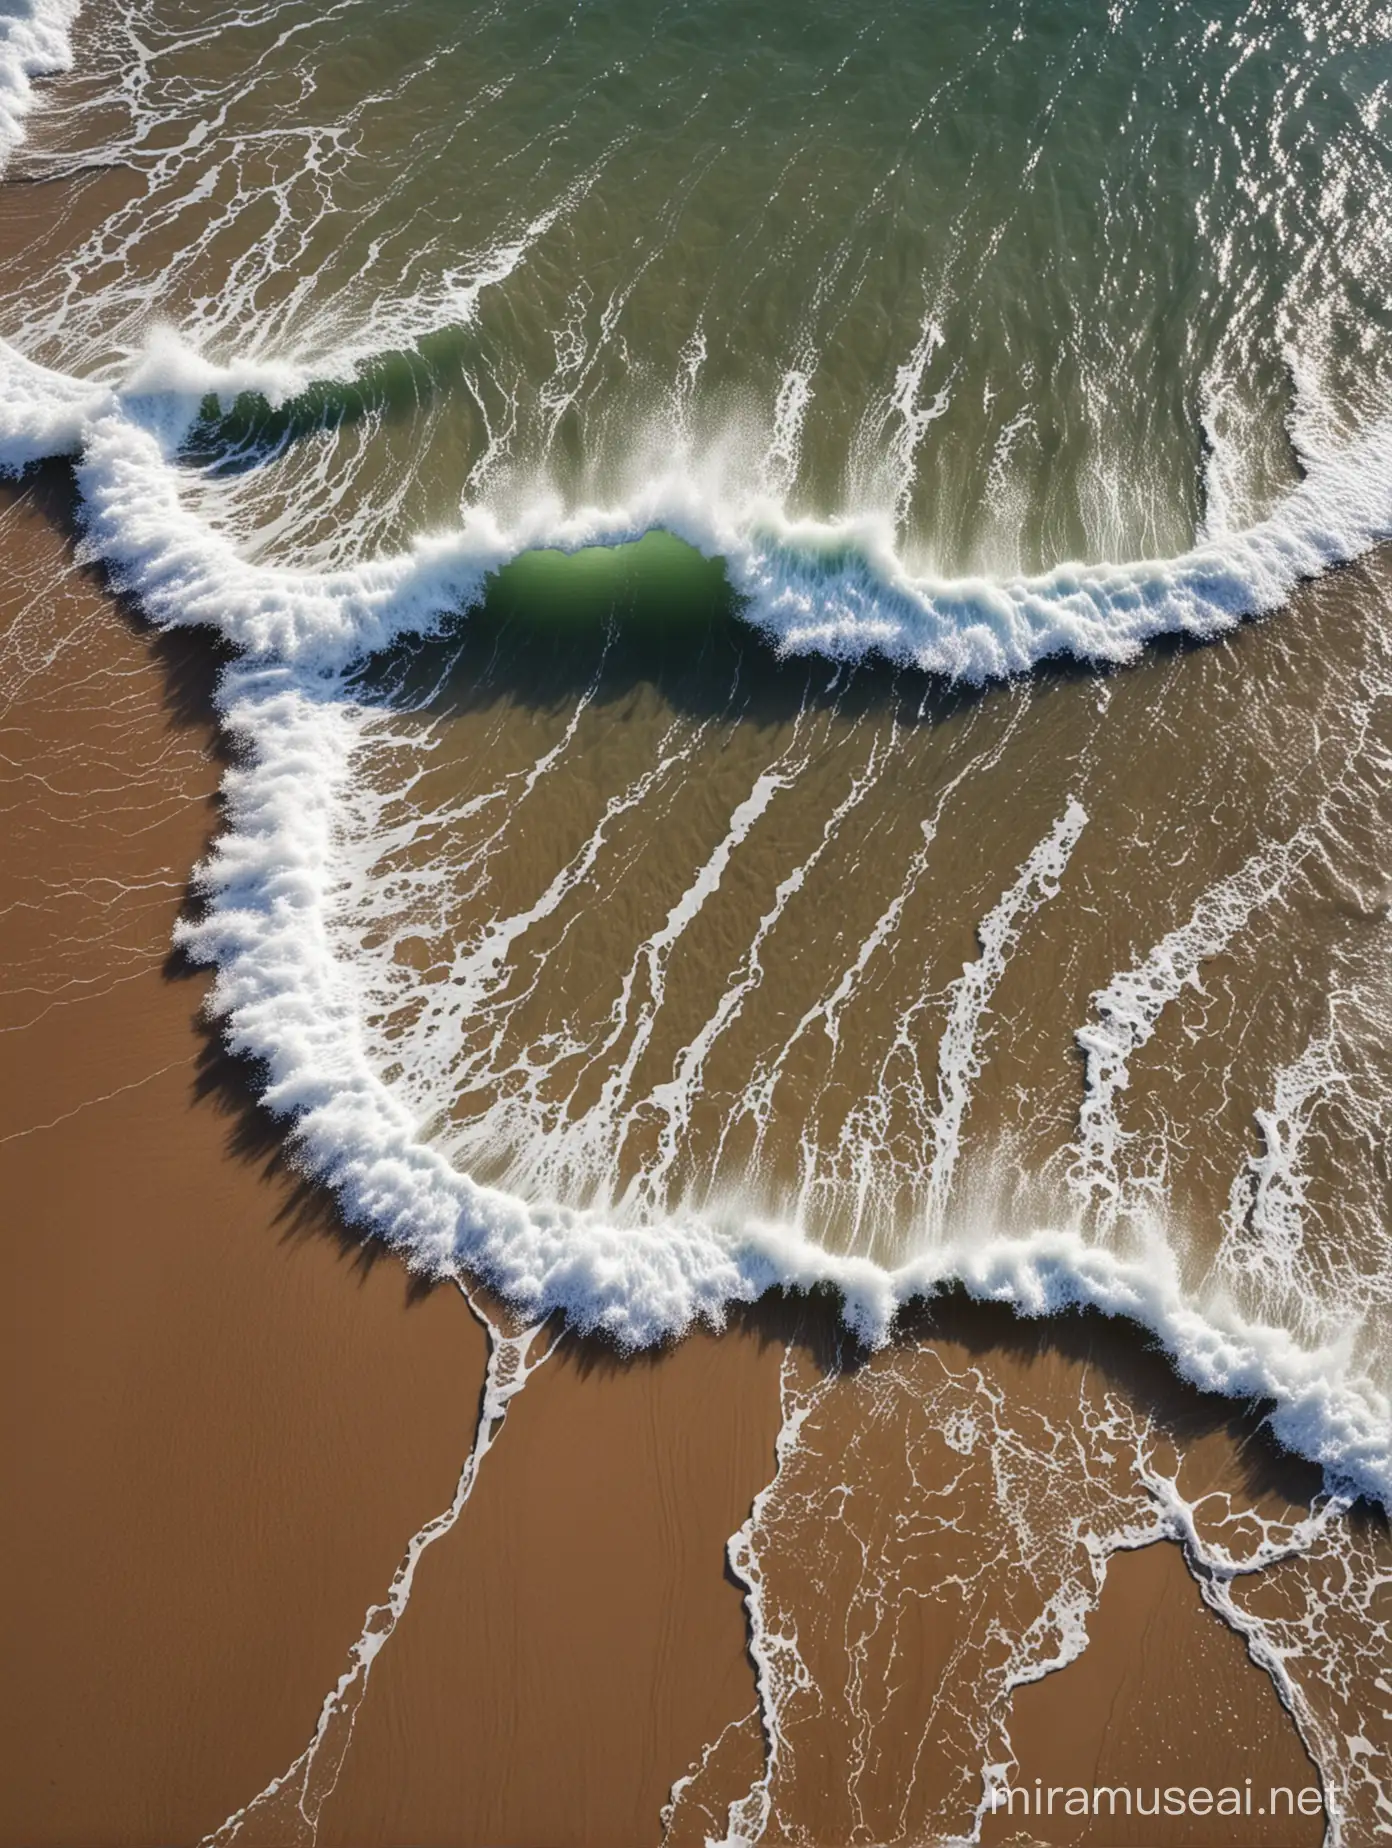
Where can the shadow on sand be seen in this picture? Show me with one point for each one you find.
(495, 653)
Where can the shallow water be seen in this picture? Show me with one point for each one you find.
(690, 492)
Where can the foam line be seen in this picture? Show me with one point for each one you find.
(655, 954)
(864, 1148)
(960, 1052)
(676, 1098)
(285, 1000)
(838, 586)
(1128, 1009)
(1264, 1223)
(778, 1665)
(833, 586)
(301, 1791)
(757, 1102)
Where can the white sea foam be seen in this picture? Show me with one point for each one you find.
(287, 1001)
(1129, 1007)
(171, 367)
(838, 587)
(1264, 1223)
(960, 1053)
(841, 587)
(42, 413)
(35, 41)
(1016, 1537)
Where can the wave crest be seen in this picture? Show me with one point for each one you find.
(838, 588)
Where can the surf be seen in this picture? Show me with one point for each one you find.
(845, 588)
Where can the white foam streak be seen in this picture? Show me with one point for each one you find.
(779, 1669)
(675, 1100)
(1129, 1007)
(1264, 1226)
(296, 1797)
(960, 1052)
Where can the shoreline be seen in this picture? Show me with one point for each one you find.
(643, 1284)
(230, 1447)
(745, 1540)
(1047, 1273)
(1347, 1428)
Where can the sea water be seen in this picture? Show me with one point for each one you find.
(738, 527)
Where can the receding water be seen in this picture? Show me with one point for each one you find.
(737, 523)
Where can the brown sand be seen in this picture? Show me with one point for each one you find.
(938, 1495)
(582, 1643)
(1159, 1701)
(214, 1441)
(220, 1430)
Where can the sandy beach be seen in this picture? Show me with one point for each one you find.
(224, 1419)
(212, 1422)
(735, 539)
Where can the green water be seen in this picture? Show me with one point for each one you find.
(1023, 280)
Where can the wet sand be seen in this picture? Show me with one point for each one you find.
(1161, 1700)
(212, 1436)
(935, 1511)
(223, 1422)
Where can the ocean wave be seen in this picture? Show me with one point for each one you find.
(835, 587)
(287, 1001)
(35, 41)
(43, 414)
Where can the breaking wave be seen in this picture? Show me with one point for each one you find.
(836, 587)
(832, 587)
(35, 42)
